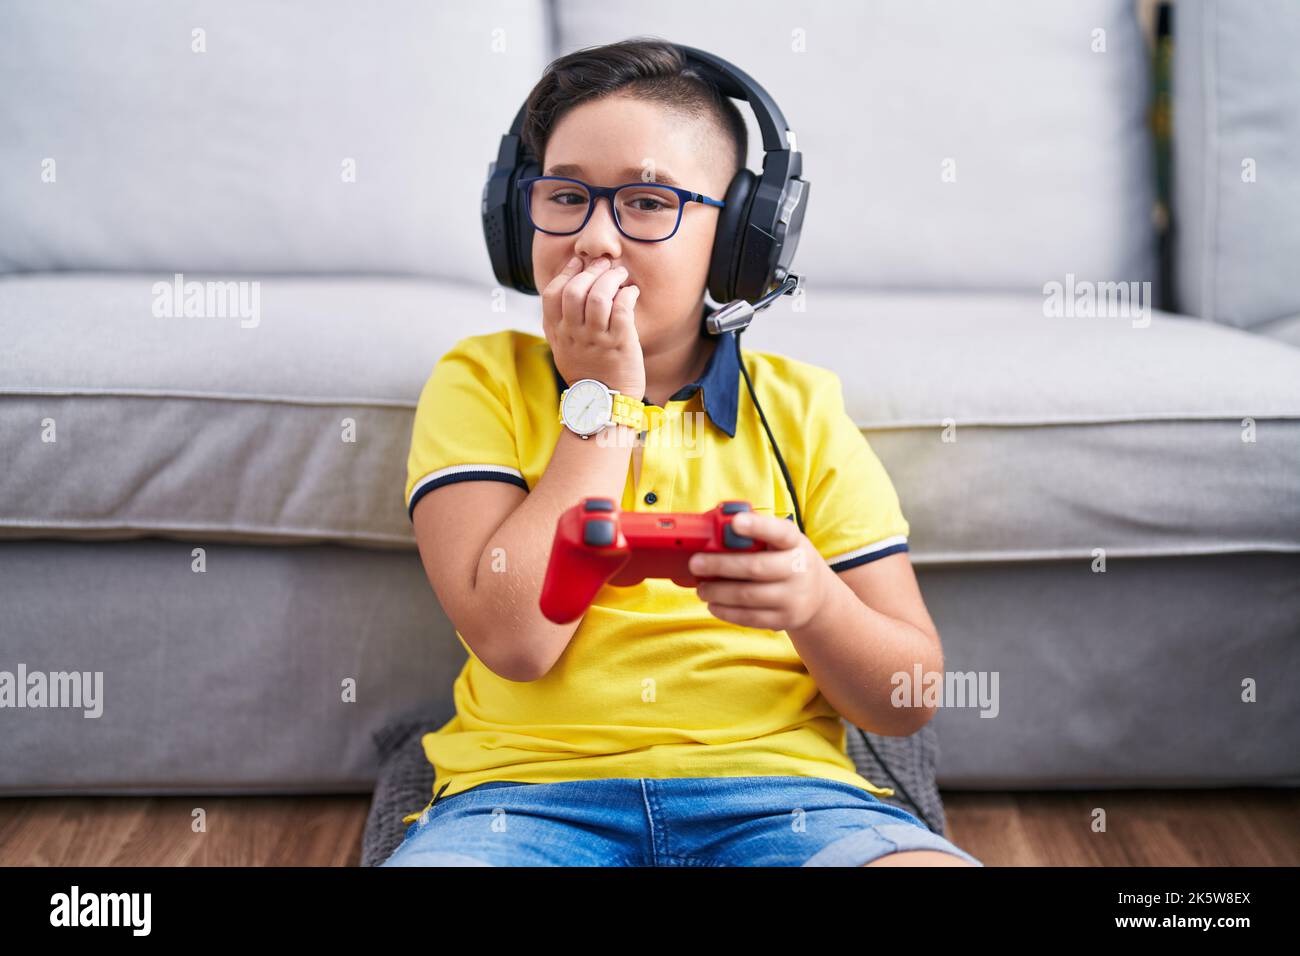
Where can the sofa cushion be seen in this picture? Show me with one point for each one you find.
(1014, 435)
(233, 158)
(289, 428)
(1046, 132)
(1071, 433)
(1236, 96)
(1286, 329)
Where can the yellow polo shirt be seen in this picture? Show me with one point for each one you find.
(652, 684)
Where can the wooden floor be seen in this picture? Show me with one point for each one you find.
(1254, 827)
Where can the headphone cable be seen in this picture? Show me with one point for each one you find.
(799, 521)
(779, 460)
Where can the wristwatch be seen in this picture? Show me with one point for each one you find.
(588, 406)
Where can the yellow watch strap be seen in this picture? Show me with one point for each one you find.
(625, 411)
(629, 411)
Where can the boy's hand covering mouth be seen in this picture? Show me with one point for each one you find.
(595, 337)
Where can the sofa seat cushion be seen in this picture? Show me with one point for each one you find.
(1011, 434)
(1070, 434)
(290, 427)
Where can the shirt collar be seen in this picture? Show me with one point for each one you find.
(720, 382)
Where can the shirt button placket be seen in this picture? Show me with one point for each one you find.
(657, 464)
(649, 474)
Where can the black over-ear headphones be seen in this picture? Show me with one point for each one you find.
(758, 225)
(758, 232)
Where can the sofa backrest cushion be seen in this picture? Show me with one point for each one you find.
(986, 145)
(1236, 163)
(305, 137)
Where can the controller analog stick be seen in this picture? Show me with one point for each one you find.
(598, 533)
(733, 540)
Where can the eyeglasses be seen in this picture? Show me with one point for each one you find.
(645, 212)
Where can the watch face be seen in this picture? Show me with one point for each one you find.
(587, 406)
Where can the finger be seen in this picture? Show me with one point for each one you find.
(761, 620)
(571, 269)
(575, 293)
(752, 566)
(769, 565)
(622, 317)
(748, 594)
(552, 295)
(600, 300)
(776, 532)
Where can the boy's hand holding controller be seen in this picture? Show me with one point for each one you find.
(753, 570)
(589, 319)
(780, 589)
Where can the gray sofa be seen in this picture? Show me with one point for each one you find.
(207, 508)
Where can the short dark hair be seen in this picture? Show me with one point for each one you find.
(645, 68)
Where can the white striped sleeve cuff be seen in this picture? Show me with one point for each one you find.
(870, 552)
(455, 473)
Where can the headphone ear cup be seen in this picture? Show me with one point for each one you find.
(732, 219)
(521, 245)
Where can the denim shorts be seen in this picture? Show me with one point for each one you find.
(678, 821)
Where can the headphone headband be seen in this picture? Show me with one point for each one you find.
(758, 226)
(731, 81)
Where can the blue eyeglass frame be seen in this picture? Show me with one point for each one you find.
(595, 192)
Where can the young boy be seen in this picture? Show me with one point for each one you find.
(668, 725)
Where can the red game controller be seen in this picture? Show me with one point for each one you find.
(597, 544)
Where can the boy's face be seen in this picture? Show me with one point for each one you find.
(615, 140)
